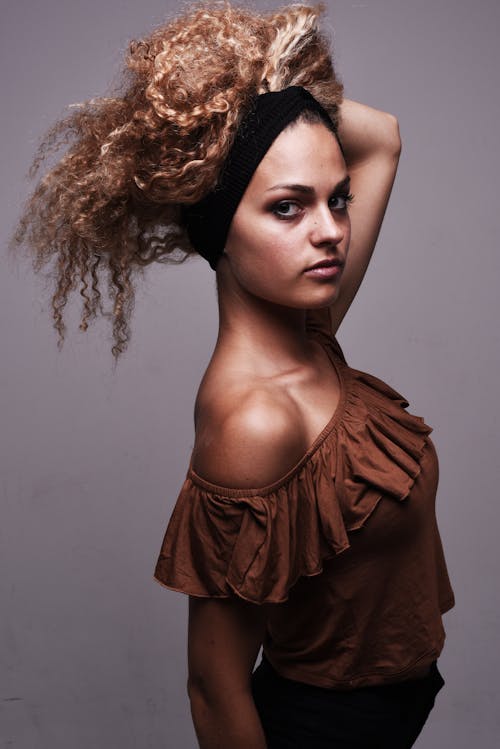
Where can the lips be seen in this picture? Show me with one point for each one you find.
(326, 264)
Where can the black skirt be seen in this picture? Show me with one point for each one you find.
(295, 715)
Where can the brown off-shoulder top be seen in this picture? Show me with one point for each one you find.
(346, 544)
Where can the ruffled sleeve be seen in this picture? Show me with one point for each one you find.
(256, 543)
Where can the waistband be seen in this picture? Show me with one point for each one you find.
(433, 680)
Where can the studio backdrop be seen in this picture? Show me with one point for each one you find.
(93, 650)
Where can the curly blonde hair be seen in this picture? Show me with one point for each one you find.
(111, 204)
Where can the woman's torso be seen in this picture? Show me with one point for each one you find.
(346, 540)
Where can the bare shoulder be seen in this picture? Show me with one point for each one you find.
(248, 438)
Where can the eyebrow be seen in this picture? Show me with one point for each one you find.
(306, 189)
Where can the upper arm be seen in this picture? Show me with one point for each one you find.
(240, 442)
(249, 442)
(224, 638)
(372, 178)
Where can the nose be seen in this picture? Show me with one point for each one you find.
(328, 228)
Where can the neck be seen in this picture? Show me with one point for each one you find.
(270, 338)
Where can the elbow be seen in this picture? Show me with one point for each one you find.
(211, 692)
(393, 138)
(201, 692)
(194, 688)
(199, 701)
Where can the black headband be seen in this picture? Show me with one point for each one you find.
(208, 220)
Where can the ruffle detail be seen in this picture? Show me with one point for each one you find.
(379, 448)
(257, 543)
(255, 546)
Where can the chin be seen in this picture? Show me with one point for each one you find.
(321, 300)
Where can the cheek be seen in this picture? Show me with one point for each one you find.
(259, 251)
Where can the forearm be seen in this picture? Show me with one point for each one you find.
(372, 145)
(365, 132)
(226, 723)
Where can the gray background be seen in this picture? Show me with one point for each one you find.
(93, 650)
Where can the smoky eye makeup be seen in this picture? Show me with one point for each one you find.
(295, 198)
(346, 197)
(285, 209)
(288, 208)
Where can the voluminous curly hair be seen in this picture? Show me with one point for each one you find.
(111, 204)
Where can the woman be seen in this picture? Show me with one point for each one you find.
(306, 522)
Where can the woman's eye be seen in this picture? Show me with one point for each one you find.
(343, 202)
(286, 209)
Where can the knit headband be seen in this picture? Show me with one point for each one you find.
(208, 220)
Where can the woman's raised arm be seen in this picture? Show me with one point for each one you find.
(372, 147)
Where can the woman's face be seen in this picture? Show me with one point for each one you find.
(292, 216)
